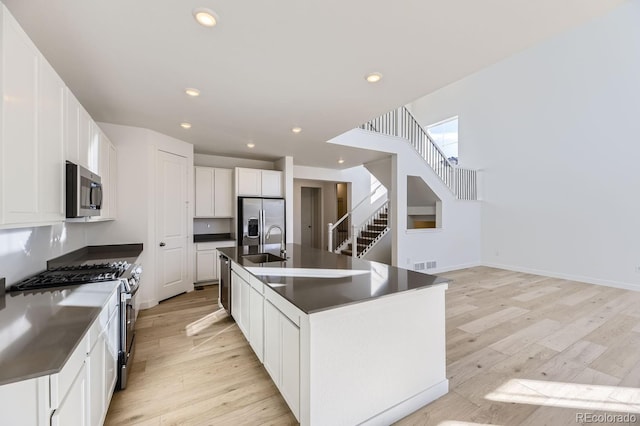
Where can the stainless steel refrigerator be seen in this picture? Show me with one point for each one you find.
(255, 217)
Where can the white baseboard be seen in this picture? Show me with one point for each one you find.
(560, 275)
(409, 406)
(453, 268)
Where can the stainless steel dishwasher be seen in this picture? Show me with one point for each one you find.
(225, 283)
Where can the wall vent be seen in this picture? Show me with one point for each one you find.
(420, 266)
(431, 264)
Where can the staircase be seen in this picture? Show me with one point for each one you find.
(370, 232)
(462, 182)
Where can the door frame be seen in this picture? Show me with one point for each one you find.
(183, 149)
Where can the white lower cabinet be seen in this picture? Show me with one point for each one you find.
(111, 357)
(72, 410)
(290, 364)
(25, 402)
(96, 363)
(79, 394)
(270, 325)
(256, 322)
(207, 259)
(282, 355)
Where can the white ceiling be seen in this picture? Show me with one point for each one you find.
(271, 65)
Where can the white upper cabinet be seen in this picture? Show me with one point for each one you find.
(50, 143)
(271, 184)
(19, 123)
(71, 128)
(84, 136)
(213, 192)
(41, 125)
(107, 170)
(259, 183)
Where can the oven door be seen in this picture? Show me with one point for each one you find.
(127, 337)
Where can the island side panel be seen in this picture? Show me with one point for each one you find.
(375, 361)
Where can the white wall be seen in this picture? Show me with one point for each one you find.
(555, 131)
(25, 251)
(285, 164)
(457, 244)
(137, 149)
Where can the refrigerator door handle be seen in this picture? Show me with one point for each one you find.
(262, 230)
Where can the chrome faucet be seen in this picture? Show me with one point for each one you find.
(283, 247)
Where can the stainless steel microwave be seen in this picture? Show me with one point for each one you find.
(83, 192)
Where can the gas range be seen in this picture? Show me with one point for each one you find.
(74, 275)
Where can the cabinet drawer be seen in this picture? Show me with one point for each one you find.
(100, 324)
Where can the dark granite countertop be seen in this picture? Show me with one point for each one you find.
(41, 329)
(207, 238)
(98, 254)
(312, 294)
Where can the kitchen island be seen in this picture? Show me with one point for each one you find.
(346, 341)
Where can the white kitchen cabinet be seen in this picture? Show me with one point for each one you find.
(51, 94)
(223, 191)
(71, 128)
(206, 265)
(81, 135)
(207, 259)
(213, 192)
(259, 183)
(271, 185)
(272, 345)
(84, 136)
(31, 139)
(256, 322)
(282, 354)
(107, 171)
(25, 402)
(236, 297)
(290, 364)
(245, 308)
(72, 411)
(19, 140)
(96, 383)
(111, 357)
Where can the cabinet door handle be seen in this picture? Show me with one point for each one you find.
(162, 244)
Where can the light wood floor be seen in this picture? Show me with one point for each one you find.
(521, 350)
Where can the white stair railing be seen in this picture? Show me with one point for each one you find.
(360, 231)
(462, 182)
(338, 234)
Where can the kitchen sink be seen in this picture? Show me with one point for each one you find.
(263, 258)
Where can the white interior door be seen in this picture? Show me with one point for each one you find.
(171, 208)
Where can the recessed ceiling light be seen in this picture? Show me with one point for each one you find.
(340, 161)
(296, 129)
(185, 125)
(205, 17)
(251, 145)
(192, 92)
(374, 77)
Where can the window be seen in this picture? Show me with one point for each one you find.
(445, 135)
